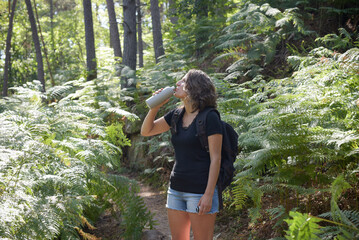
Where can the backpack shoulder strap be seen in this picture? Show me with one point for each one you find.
(176, 115)
(201, 126)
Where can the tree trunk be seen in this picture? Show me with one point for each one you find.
(9, 7)
(52, 25)
(156, 30)
(44, 47)
(114, 34)
(7, 50)
(90, 41)
(130, 43)
(35, 38)
(201, 7)
(139, 34)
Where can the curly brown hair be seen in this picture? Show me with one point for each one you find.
(200, 89)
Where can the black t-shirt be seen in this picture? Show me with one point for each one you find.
(191, 168)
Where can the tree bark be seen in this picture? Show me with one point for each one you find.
(201, 7)
(7, 49)
(35, 38)
(114, 34)
(156, 30)
(139, 34)
(44, 46)
(130, 42)
(52, 25)
(90, 41)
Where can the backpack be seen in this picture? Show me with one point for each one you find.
(229, 146)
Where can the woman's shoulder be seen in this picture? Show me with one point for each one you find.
(212, 113)
(168, 116)
(213, 123)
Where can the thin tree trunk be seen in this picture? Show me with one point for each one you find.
(7, 49)
(52, 25)
(156, 30)
(114, 34)
(35, 37)
(130, 42)
(9, 7)
(139, 34)
(201, 35)
(44, 46)
(90, 41)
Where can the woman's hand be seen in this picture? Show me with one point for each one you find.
(205, 204)
(150, 126)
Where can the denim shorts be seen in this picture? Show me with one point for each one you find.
(188, 202)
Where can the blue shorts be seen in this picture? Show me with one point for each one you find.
(188, 202)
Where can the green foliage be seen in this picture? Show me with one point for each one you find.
(344, 224)
(116, 136)
(344, 41)
(252, 37)
(198, 24)
(312, 109)
(279, 214)
(243, 190)
(297, 133)
(124, 193)
(51, 156)
(302, 226)
(239, 195)
(338, 187)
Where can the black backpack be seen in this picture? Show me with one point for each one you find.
(229, 146)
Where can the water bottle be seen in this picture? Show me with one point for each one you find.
(155, 100)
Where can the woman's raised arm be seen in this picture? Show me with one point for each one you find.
(151, 127)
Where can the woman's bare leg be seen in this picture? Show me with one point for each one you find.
(180, 224)
(202, 226)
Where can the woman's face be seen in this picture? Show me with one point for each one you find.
(181, 90)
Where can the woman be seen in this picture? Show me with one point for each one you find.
(192, 197)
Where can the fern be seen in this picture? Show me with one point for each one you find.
(298, 132)
(239, 194)
(253, 35)
(50, 159)
(302, 226)
(279, 214)
(343, 41)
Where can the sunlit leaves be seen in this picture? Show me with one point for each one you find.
(50, 156)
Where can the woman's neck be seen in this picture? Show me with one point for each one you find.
(189, 107)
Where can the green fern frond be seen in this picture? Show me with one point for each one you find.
(121, 112)
(270, 11)
(302, 226)
(239, 194)
(50, 158)
(58, 92)
(228, 55)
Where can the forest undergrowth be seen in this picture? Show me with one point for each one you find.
(298, 163)
(287, 77)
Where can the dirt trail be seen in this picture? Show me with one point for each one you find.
(155, 201)
(107, 227)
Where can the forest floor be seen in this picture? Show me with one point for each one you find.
(230, 224)
(108, 225)
(155, 201)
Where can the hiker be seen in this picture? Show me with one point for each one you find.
(192, 196)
